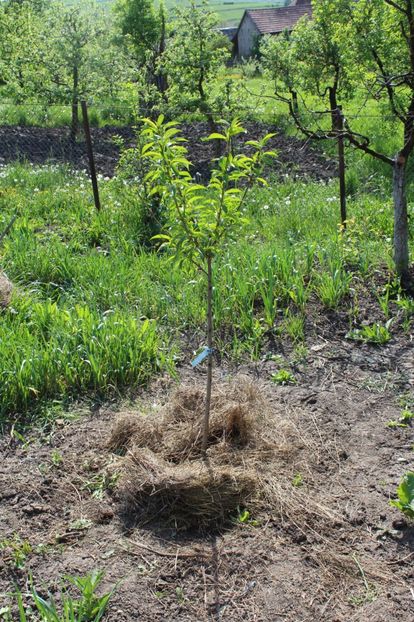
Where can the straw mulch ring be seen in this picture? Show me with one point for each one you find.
(162, 474)
(6, 289)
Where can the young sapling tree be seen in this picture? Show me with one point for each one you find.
(201, 219)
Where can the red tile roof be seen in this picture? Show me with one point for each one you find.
(273, 21)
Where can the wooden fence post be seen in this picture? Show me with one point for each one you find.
(8, 226)
(341, 168)
(90, 154)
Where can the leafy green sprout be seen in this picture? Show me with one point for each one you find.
(283, 376)
(88, 607)
(201, 219)
(404, 420)
(244, 517)
(405, 494)
(101, 483)
(297, 481)
(179, 592)
(374, 333)
(389, 292)
(16, 550)
(56, 458)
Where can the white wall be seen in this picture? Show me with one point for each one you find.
(246, 37)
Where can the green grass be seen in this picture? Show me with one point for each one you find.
(86, 606)
(95, 311)
(229, 11)
(35, 114)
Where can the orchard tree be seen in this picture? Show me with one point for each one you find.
(143, 36)
(313, 64)
(36, 5)
(57, 53)
(64, 62)
(194, 55)
(364, 47)
(70, 41)
(20, 36)
(138, 22)
(382, 34)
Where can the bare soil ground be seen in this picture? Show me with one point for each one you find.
(335, 551)
(42, 145)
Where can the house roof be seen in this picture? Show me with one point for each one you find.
(229, 31)
(273, 21)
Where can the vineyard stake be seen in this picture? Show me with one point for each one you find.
(90, 155)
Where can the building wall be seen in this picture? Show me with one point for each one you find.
(246, 37)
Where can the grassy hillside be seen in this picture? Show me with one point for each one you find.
(230, 11)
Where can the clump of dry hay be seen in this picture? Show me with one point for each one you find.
(188, 495)
(131, 430)
(163, 473)
(6, 289)
(238, 420)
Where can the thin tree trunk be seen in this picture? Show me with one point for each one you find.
(400, 220)
(162, 82)
(75, 105)
(208, 113)
(206, 422)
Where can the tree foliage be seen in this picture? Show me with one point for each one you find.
(139, 23)
(348, 48)
(194, 56)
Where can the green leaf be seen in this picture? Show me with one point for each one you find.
(161, 236)
(405, 493)
(215, 136)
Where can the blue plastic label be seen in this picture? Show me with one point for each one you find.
(200, 358)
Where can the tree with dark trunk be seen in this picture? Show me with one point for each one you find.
(58, 54)
(70, 42)
(311, 64)
(143, 31)
(374, 40)
(388, 62)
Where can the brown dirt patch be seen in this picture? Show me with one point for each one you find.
(321, 541)
(42, 145)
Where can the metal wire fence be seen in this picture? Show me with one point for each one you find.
(43, 135)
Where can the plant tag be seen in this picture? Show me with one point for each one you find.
(204, 354)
